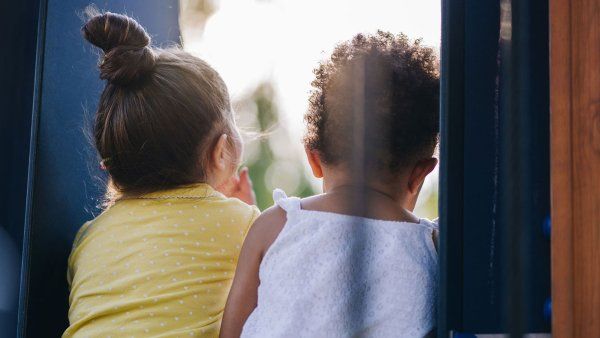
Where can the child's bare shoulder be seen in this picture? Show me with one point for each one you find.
(266, 228)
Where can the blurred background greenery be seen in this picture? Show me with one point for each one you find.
(266, 50)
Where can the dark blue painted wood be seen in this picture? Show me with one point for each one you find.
(452, 103)
(18, 24)
(494, 174)
(525, 166)
(482, 282)
(66, 180)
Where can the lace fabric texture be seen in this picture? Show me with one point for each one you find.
(333, 275)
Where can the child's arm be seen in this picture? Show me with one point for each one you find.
(244, 292)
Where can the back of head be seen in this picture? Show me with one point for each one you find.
(376, 95)
(159, 112)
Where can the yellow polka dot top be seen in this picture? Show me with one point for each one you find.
(157, 266)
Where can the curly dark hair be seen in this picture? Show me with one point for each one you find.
(382, 90)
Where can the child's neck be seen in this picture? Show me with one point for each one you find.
(371, 200)
(390, 190)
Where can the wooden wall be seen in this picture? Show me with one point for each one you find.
(575, 166)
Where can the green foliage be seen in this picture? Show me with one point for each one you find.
(264, 123)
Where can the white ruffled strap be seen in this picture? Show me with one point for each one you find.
(286, 203)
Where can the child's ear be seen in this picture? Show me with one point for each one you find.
(315, 162)
(419, 172)
(219, 153)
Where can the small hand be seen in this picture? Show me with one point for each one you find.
(240, 187)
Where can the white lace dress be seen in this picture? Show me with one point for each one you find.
(333, 275)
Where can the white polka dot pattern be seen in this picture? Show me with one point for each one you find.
(154, 267)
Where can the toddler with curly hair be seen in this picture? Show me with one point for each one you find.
(355, 260)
